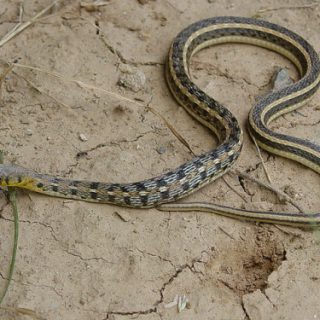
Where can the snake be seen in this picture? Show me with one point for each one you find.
(162, 191)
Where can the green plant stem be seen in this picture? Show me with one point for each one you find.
(13, 202)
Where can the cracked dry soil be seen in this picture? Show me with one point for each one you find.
(81, 260)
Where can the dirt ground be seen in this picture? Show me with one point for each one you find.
(79, 260)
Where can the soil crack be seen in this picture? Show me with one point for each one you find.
(178, 271)
(33, 285)
(37, 223)
(110, 144)
(123, 60)
(78, 255)
(156, 256)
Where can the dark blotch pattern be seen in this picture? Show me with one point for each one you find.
(144, 200)
(93, 195)
(111, 198)
(165, 194)
(40, 185)
(140, 186)
(161, 183)
(94, 185)
(203, 175)
(186, 186)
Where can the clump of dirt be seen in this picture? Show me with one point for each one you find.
(247, 266)
(261, 262)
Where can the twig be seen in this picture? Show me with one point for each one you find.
(173, 7)
(260, 156)
(21, 26)
(172, 129)
(21, 12)
(93, 6)
(268, 186)
(226, 233)
(77, 82)
(34, 86)
(306, 6)
(23, 311)
(233, 189)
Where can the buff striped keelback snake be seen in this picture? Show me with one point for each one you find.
(162, 190)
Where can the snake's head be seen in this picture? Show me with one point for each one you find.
(14, 176)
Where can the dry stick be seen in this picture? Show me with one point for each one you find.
(59, 13)
(93, 6)
(35, 87)
(260, 156)
(77, 82)
(21, 12)
(21, 26)
(268, 186)
(22, 311)
(173, 7)
(172, 129)
(311, 5)
(233, 189)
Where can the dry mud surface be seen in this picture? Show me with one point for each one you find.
(80, 260)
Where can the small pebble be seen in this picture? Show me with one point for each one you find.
(82, 137)
(281, 79)
(29, 132)
(161, 149)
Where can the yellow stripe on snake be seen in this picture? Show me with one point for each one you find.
(162, 190)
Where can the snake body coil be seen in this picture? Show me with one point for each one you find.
(205, 168)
